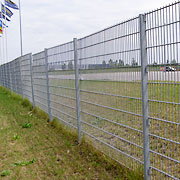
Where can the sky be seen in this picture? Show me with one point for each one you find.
(47, 23)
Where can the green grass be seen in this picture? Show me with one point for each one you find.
(47, 150)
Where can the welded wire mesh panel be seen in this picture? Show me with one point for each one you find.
(62, 83)
(40, 81)
(13, 77)
(1, 75)
(17, 76)
(110, 92)
(10, 74)
(163, 36)
(4, 72)
(8, 84)
(25, 62)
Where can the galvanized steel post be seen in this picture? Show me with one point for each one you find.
(32, 84)
(144, 77)
(20, 76)
(77, 89)
(47, 84)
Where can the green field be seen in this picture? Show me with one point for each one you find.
(32, 148)
(164, 106)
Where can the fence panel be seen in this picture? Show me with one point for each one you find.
(62, 83)
(13, 77)
(114, 100)
(17, 74)
(163, 38)
(110, 92)
(40, 81)
(1, 75)
(8, 76)
(25, 63)
(5, 72)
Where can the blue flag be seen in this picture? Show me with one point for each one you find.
(11, 4)
(1, 28)
(2, 16)
(9, 13)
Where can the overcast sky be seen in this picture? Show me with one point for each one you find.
(46, 23)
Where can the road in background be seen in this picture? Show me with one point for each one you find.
(123, 76)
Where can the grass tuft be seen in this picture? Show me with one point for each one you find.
(24, 163)
(27, 104)
(27, 125)
(16, 137)
(15, 96)
(41, 114)
(5, 173)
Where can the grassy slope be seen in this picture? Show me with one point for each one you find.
(56, 153)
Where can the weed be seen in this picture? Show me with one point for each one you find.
(27, 125)
(15, 137)
(24, 163)
(5, 173)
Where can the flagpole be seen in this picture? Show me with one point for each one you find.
(4, 36)
(20, 28)
(5, 31)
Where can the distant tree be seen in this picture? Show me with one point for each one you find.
(173, 61)
(70, 65)
(134, 63)
(110, 63)
(104, 64)
(155, 63)
(121, 63)
(64, 66)
(116, 63)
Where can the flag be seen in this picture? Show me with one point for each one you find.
(11, 4)
(9, 13)
(4, 25)
(1, 28)
(2, 16)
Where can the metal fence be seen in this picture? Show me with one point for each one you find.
(118, 87)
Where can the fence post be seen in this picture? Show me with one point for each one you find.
(77, 88)
(145, 109)
(4, 75)
(4, 69)
(32, 84)
(47, 84)
(21, 79)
